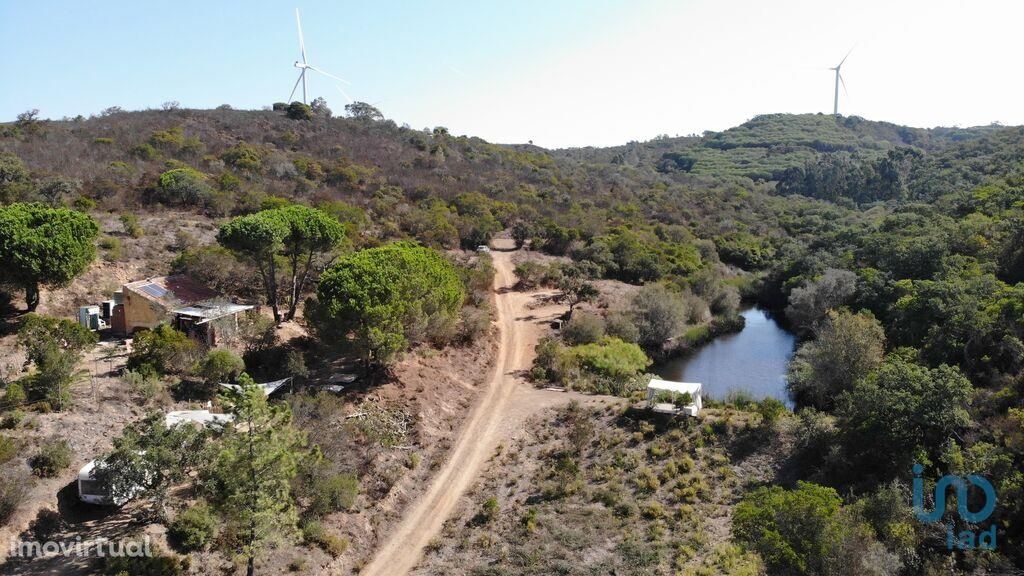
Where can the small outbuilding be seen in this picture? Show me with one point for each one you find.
(179, 300)
(668, 397)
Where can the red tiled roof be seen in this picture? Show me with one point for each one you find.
(170, 291)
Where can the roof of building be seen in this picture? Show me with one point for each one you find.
(268, 387)
(211, 310)
(202, 417)
(677, 387)
(85, 472)
(172, 291)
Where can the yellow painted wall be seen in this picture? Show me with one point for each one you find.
(140, 312)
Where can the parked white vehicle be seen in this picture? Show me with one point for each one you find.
(92, 490)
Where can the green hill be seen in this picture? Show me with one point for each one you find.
(767, 145)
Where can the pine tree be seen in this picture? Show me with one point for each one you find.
(252, 475)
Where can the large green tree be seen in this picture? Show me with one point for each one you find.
(901, 412)
(150, 458)
(380, 297)
(659, 314)
(44, 246)
(311, 234)
(259, 238)
(848, 347)
(297, 234)
(806, 530)
(251, 477)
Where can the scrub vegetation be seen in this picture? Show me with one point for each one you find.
(894, 253)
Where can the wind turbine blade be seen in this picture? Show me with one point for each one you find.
(847, 56)
(294, 88)
(302, 43)
(342, 80)
(843, 82)
(345, 94)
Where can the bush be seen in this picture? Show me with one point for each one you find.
(130, 223)
(612, 358)
(659, 315)
(220, 365)
(244, 157)
(14, 487)
(156, 565)
(194, 528)
(583, 328)
(162, 350)
(770, 410)
(14, 395)
(53, 458)
(8, 449)
(143, 382)
(621, 326)
(113, 250)
(144, 152)
(474, 324)
(299, 111)
(313, 532)
(183, 187)
(333, 493)
(12, 419)
(529, 273)
(490, 509)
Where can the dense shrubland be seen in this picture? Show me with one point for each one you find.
(894, 252)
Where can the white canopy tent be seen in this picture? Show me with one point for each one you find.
(657, 388)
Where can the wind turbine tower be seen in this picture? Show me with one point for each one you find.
(839, 79)
(304, 66)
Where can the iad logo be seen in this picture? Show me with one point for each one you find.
(967, 539)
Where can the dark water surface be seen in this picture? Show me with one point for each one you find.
(753, 360)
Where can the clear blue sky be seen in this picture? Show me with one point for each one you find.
(559, 72)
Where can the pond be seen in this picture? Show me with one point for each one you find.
(753, 360)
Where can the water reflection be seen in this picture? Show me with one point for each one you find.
(753, 360)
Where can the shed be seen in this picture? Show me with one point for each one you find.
(180, 300)
(660, 390)
(148, 303)
(208, 321)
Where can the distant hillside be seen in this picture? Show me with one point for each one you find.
(764, 147)
(114, 162)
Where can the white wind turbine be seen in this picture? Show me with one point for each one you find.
(305, 65)
(839, 78)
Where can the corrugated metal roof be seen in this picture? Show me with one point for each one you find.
(212, 310)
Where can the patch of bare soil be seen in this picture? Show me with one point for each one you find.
(148, 255)
(503, 406)
(103, 405)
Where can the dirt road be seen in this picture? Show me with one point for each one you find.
(506, 402)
